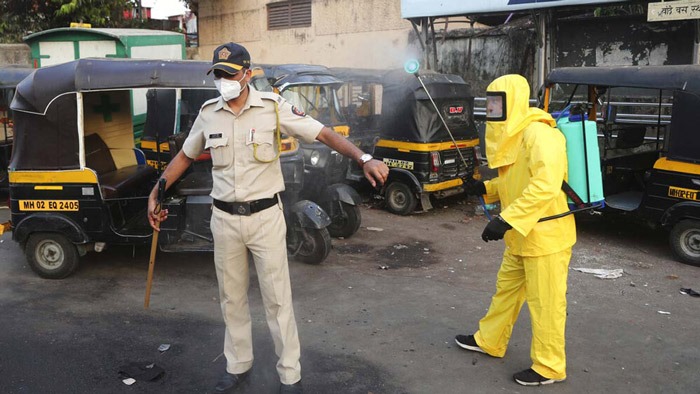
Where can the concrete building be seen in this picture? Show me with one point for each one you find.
(357, 33)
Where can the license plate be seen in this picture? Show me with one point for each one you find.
(49, 205)
(686, 194)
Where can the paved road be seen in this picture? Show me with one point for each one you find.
(363, 329)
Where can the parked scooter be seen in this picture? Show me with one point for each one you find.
(77, 182)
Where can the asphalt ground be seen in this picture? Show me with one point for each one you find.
(378, 316)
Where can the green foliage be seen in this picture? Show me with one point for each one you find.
(635, 9)
(19, 18)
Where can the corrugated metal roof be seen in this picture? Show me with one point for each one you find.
(114, 33)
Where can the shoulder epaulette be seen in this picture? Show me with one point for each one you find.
(272, 96)
(210, 101)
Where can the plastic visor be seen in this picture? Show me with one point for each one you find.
(496, 106)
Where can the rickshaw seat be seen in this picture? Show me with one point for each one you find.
(630, 137)
(122, 182)
(196, 183)
(114, 182)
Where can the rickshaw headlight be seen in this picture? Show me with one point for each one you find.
(314, 158)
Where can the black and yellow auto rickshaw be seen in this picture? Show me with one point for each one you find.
(646, 121)
(313, 89)
(77, 182)
(9, 78)
(360, 99)
(413, 140)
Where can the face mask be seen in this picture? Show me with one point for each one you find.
(229, 89)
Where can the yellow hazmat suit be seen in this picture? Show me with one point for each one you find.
(530, 155)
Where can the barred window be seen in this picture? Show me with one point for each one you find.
(288, 14)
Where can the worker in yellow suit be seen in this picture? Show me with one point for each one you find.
(530, 155)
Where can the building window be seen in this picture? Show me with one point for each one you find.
(287, 14)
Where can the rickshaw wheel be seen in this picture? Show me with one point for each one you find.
(51, 255)
(400, 199)
(685, 241)
(316, 244)
(345, 226)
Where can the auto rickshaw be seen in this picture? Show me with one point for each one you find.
(313, 89)
(360, 99)
(646, 120)
(78, 183)
(9, 78)
(412, 139)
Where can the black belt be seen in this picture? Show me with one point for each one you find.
(245, 208)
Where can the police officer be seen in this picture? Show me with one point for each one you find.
(240, 129)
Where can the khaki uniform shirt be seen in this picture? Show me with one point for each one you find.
(241, 145)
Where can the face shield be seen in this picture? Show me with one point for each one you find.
(496, 106)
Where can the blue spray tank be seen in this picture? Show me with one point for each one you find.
(585, 184)
(585, 175)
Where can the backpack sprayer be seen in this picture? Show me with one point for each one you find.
(583, 163)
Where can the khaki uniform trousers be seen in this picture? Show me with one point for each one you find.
(264, 234)
(541, 281)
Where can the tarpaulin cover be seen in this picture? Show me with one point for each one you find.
(408, 114)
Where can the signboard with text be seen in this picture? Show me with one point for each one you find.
(425, 8)
(673, 10)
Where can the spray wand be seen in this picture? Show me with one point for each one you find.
(412, 67)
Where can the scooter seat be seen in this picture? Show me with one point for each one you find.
(124, 181)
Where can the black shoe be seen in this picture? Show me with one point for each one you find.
(229, 381)
(529, 377)
(291, 388)
(468, 342)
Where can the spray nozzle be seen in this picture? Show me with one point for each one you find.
(411, 66)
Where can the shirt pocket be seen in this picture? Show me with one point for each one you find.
(263, 145)
(221, 154)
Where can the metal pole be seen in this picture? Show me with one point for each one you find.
(434, 43)
(696, 44)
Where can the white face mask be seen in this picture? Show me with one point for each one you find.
(229, 89)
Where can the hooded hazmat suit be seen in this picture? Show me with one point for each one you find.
(530, 155)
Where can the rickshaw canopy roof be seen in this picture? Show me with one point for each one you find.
(283, 76)
(10, 76)
(409, 115)
(360, 75)
(676, 77)
(682, 142)
(36, 92)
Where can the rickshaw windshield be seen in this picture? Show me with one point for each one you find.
(319, 102)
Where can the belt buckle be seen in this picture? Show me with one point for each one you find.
(243, 209)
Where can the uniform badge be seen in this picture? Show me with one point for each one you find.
(297, 111)
(224, 53)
